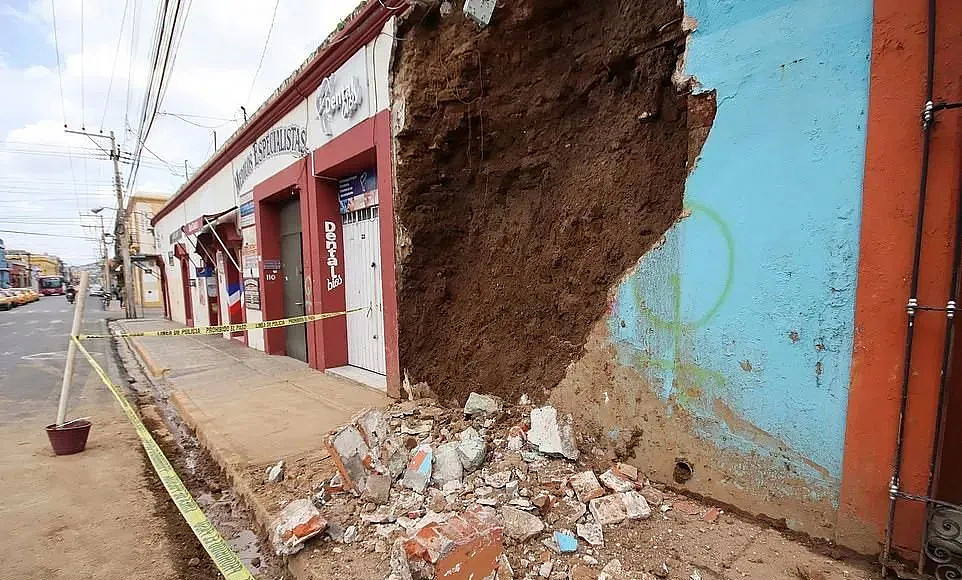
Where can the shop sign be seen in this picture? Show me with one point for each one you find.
(252, 293)
(330, 244)
(245, 210)
(249, 260)
(176, 235)
(357, 191)
(341, 101)
(281, 140)
(272, 265)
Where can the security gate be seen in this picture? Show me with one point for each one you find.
(362, 289)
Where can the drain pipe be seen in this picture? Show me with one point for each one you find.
(911, 306)
(946, 373)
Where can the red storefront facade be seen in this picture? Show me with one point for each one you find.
(298, 215)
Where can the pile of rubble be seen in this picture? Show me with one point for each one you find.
(442, 493)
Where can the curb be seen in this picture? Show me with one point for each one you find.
(190, 415)
(148, 361)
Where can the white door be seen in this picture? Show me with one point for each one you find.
(362, 287)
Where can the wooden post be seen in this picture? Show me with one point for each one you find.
(78, 320)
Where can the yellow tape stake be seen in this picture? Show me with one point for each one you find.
(222, 328)
(220, 552)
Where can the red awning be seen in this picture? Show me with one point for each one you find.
(195, 226)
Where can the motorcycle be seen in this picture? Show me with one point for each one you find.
(106, 301)
(71, 297)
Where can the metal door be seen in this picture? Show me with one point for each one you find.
(362, 288)
(292, 269)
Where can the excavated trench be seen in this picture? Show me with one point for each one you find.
(538, 159)
(203, 478)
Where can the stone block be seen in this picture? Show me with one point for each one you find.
(447, 464)
(520, 525)
(553, 435)
(485, 405)
(608, 510)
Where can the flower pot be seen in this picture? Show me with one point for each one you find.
(69, 438)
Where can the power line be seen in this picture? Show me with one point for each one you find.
(263, 52)
(47, 235)
(113, 68)
(134, 27)
(56, 43)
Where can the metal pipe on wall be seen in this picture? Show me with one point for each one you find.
(912, 303)
(945, 372)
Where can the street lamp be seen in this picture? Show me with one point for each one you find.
(103, 238)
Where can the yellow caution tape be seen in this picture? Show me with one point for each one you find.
(220, 552)
(222, 328)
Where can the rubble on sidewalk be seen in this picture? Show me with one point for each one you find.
(297, 522)
(482, 491)
(275, 473)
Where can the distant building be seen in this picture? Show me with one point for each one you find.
(41, 264)
(140, 209)
(19, 274)
(4, 267)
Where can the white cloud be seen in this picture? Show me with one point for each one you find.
(46, 191)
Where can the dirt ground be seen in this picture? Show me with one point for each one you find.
(683, 539)
(529, 180)
(97, 514)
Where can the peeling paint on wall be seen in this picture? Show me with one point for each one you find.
(730, 343)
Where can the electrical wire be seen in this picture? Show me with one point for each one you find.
(260, 62)
(113, 68)
(56, 44)
(134, 26)
(184, 119)
(47, 235)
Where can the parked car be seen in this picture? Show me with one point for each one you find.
(28, 294)
(96, 290)
(7, 300)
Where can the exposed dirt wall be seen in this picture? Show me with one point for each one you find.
(537, 160)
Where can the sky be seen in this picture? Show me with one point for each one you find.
(51, 180)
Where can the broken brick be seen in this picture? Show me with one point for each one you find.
(418, 472)
(298, 521)
(467, 545)
(586, 486)
(351, 455)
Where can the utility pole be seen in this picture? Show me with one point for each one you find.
(123, 234)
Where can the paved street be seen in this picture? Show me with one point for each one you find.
(71, 517)
(33, 345)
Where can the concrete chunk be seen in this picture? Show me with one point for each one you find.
(418, 472)
(447, 464)
(586, 486)
(592, 533)
(520, 525)
(351, 456)
(478, 404)
(636, 507)
(471, 452)
(552, 435)
(608, 510)
(616, 481)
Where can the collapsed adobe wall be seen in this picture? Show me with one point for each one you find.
(536, 161)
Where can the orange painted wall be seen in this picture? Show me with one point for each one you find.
(892, 170)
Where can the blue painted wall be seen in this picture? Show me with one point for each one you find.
(744, 316)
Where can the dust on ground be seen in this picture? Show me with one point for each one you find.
(539, 158)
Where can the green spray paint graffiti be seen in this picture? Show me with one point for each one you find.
(676, 368)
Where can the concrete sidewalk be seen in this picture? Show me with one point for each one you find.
(250, 408)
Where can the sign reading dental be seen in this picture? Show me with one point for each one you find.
(341, 101)
(281, 140)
